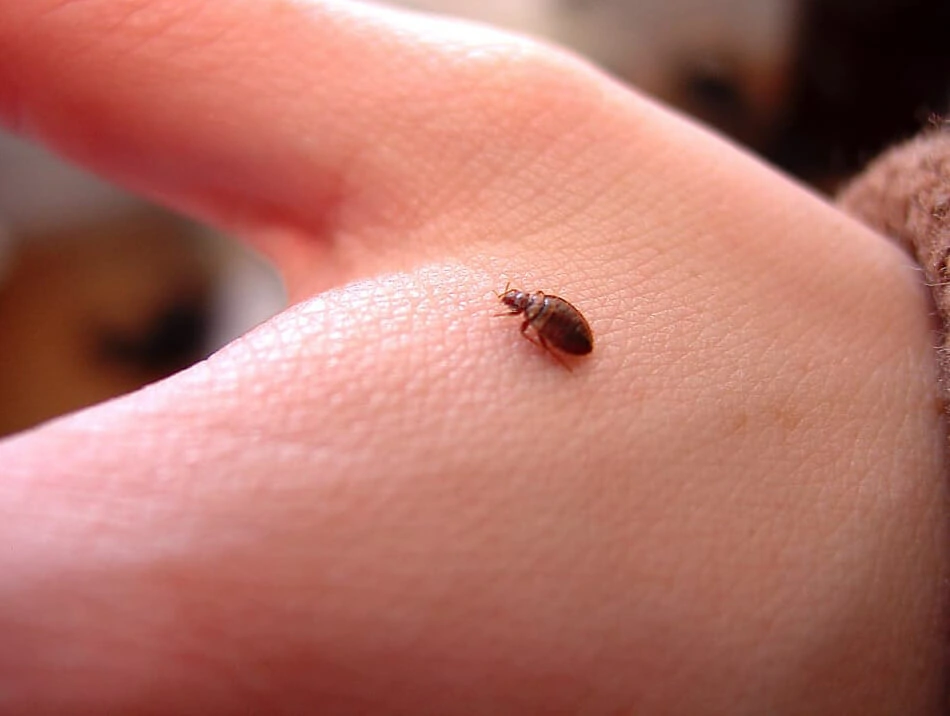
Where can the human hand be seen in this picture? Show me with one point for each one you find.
(384, 500)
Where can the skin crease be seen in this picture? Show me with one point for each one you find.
(384, 500)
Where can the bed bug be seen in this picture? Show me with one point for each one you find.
(556, 323)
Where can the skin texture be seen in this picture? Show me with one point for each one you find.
(385, 500)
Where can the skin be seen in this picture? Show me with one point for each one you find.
(385, 500)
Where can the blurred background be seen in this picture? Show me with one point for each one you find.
(101, 293)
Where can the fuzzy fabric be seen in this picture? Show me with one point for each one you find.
(905, 194)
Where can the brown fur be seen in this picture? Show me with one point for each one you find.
(905, 194)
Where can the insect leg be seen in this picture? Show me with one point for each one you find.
(557, 357)
(543, 344)
(524, 334)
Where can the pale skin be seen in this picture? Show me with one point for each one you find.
(385, 500)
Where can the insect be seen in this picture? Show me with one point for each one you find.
(556, 323)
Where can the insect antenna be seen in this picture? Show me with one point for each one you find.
(507, 286)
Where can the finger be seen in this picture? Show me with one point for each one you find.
(308, 119)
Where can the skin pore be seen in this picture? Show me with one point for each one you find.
(384, 499)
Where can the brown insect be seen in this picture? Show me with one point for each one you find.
(556, 323)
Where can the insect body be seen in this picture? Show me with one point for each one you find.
(556, 322)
